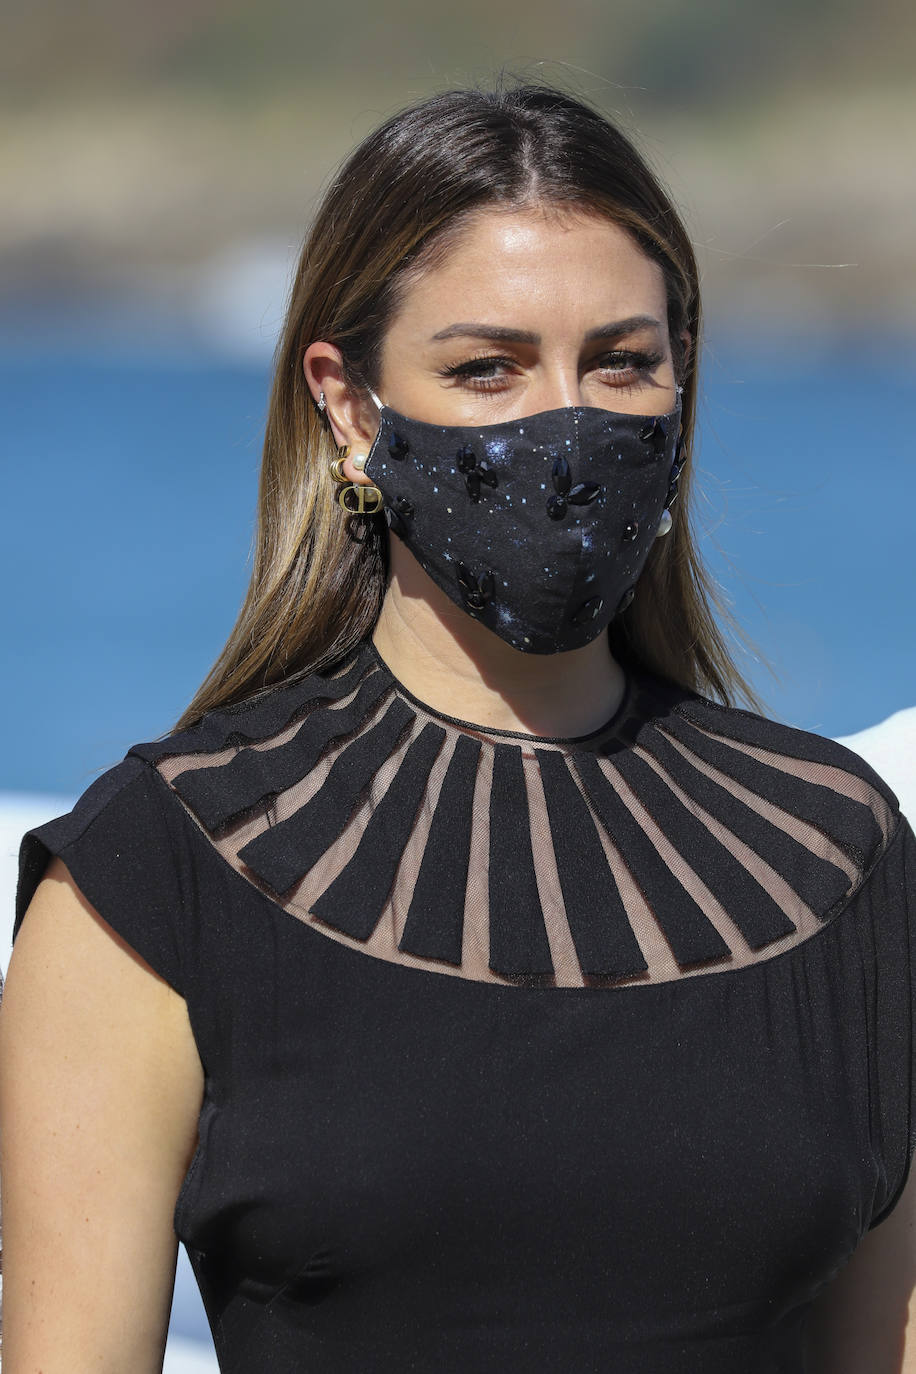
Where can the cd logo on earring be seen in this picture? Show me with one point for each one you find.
(361, 499)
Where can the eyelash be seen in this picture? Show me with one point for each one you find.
(469, 370)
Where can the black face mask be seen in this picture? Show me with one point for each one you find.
(538, 528)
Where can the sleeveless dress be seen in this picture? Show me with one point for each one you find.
(520, 1054)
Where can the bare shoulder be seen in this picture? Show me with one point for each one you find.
(100, 1090)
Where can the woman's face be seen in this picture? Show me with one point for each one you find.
(530, 311)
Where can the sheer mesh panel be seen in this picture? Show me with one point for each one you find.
(568, 972)
(798, 912)
(847, 784)
(740, 951)
(808, 835)
(404, 775)
(475, 950)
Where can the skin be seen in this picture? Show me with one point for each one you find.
(100, 1079)
(561, 279)
(100, 1090)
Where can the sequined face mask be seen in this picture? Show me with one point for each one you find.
(539, 528)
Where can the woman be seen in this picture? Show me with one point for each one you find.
(466, 981)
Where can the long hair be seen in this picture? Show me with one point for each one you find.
(389, 214)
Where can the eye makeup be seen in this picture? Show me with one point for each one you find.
(618, 367)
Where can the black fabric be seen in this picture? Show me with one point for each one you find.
(220, 793)
(608, 947)
(400, 1169)
(540, 527)
(753, 909)
(285, 852)
(849, 823)
(124, 844)
(518, 940)
(300, 834)
(257, 718)
(819, 883)
(354, 901)
(888, 952)
(692, 937)
(435, 916)
(746, 728)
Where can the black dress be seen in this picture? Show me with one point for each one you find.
(521, 1055)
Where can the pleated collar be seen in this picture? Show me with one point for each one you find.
(683, 837)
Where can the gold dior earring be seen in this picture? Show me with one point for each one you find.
(356, 498)
(360, 499)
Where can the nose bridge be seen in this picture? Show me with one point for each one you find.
(560, 385)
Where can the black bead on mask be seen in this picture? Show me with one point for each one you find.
(539, 528)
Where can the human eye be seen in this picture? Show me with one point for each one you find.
(627, 368)
(484, 372)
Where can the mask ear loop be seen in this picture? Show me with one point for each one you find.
(667, 520)
(379, 406)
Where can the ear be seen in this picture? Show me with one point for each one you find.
(351, 414)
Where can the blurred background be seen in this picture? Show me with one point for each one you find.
(160, 164)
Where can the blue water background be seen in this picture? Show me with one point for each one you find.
(129, 492)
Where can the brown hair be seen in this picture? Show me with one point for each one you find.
(393, 206)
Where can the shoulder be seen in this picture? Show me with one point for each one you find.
(816, 814)
(233, 758)
(124, 846)
(136, 839)
(265, 714)
(125, 795)
(817, 758)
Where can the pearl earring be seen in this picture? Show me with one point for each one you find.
(664, 525)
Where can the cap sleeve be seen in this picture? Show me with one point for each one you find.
(122, 846)
(889, 935)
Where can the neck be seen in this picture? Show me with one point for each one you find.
(457, 666)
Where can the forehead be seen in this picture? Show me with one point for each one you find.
(538, 268)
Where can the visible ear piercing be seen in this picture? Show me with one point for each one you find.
(664, 525)
(336, 467)
(321, 403)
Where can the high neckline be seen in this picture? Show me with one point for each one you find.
(684, 837)
(571, 744)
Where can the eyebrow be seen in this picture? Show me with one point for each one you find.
(503, 335)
